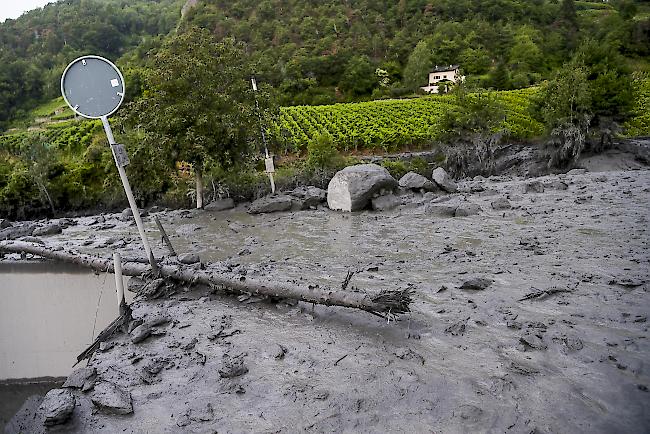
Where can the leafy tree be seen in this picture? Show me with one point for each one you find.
(499, 78)
(565, 107)
(417, 68)
(359, 76)
(197, 105)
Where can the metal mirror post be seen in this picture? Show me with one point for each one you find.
(94, 88)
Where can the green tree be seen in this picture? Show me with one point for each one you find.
(359, 77)
(417, 68)
(565, 106)
(197, 105)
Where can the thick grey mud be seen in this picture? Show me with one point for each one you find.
(530, 316)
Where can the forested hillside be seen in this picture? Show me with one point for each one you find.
(35, 48)
(558, 72)
(325, 51)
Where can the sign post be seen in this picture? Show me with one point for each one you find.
(268, 160)
(94, 88)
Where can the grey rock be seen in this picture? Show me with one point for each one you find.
(577, 172)
(386, 202)
(4, 224)
(126, 215)
(308, 197)
(352, 188)
(82, 378)
(444, 206)
(189, 258)
(49, 229)
(140, 333)
(457, 328)
(268, 204)
(415, 181)
(467, 209)
(278, 351)
(233, 366)
(34, 240)
(556, 185)
(534, 187)
(111, 398)
(17, 231)
(220, 204)
(532, 341)
(57, 406)
(187, 229)
(443, 180)
(501, 204)
(476, 284)
(135, 284)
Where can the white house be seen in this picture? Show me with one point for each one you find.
(448, 73)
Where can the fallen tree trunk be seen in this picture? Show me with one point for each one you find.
(386, 303)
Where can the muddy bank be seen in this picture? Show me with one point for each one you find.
(530, 316)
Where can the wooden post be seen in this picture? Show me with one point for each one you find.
(119, 282)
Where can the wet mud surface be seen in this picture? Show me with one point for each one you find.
(526, 319)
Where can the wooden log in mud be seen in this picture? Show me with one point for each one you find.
(385, 303)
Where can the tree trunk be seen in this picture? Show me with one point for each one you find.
(390, 303)
(199, 188)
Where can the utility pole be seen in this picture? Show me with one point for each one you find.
(268, 160)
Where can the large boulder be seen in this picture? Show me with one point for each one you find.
(443, 180)
(352, 188)
(417, 182)
(57, 406)
(269, 204)
(220, 204)
(4, 224)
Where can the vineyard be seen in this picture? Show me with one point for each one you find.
(390, 124)
(68, 136)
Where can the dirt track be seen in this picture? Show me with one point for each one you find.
(463, 361)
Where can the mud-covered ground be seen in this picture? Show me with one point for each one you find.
(463, 361)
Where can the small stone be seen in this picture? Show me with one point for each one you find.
(417, 182)
(189, 258)
(386, 202)
(279, 351)
(443, 180)
(57, 406)
(476, 284)
(233, 366)
(4, 224)
(467, 209)
(534, 187)
(533, 341)
(457, 328)
(220, 204)
(557, 185)
(82, 378)
(49, 229)
(111, 398)
(577, 172)
(501, 204)
(140, 333)
(126, 215)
